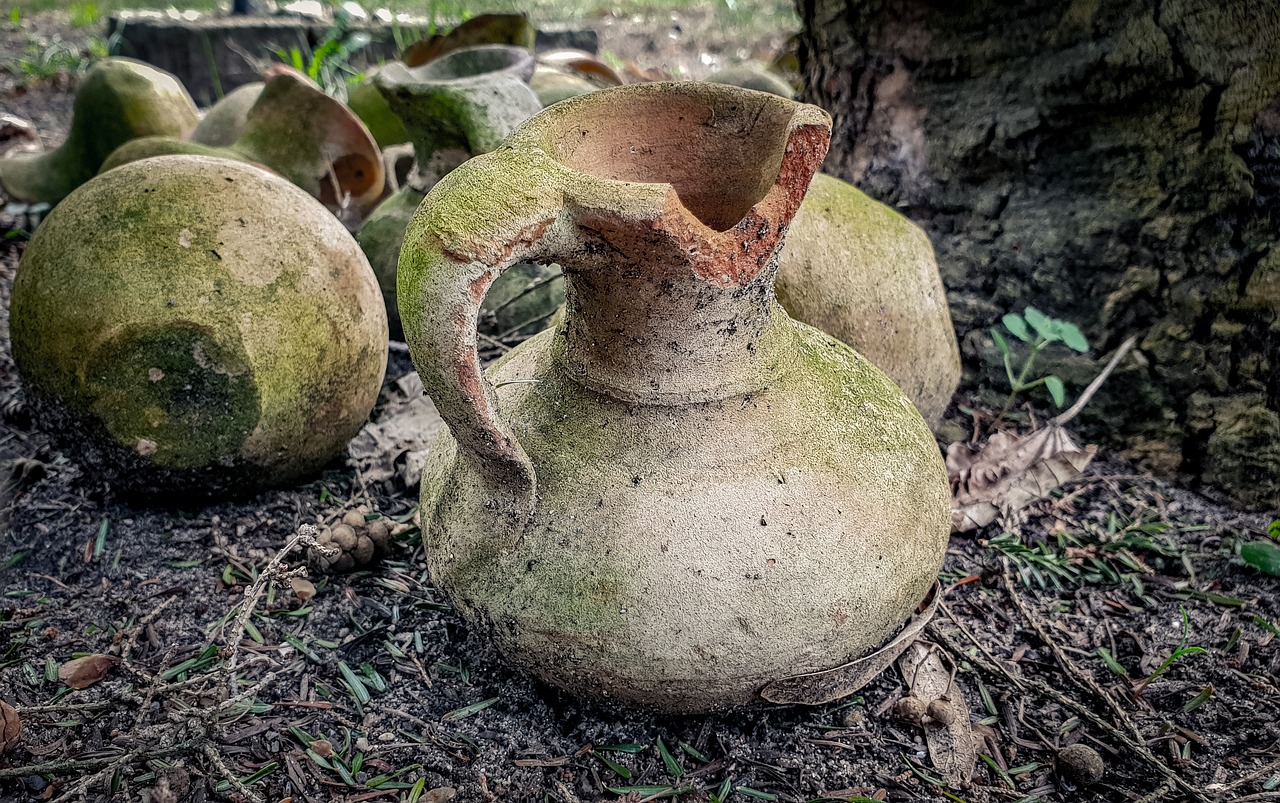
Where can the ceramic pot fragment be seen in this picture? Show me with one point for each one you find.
(119, 100)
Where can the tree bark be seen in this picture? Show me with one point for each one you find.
(1112, 164)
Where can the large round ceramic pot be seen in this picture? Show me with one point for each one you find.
(861, 272)
(119, 100)
(190, 326)
(679, 498)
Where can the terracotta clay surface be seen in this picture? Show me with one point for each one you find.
(866, 275)
(193, 325)
(679, 495)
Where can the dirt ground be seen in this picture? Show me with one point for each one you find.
(373, 689)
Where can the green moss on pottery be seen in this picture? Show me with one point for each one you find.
(198, 325)
(224, 122)
(119, 100)
(863, 273)
(380, 238)
(371, 107)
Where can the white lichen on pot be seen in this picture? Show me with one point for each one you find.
(193, 325)
(118, 100)
(679, 496)
(866, 275)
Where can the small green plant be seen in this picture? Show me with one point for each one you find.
(329, 65)
(1182, 650)
(1038, 331)
(1264, 555)
(84, 14)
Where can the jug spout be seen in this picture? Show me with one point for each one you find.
(672, 298)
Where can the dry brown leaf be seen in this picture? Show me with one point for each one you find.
(303, 589)
(948, 731)
(1009, 473)
(397, 443)
(81, 673)
(10, 727)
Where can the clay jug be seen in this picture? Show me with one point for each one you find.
(460, 105)
(678, 498)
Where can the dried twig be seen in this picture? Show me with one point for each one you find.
(1072, 670)
(995, 668)
(275, 570)
(80, 765)
(212, 754)
(1074, 410)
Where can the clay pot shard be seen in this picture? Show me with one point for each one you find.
(486, 29)
(119, 100)
(678, 496)
(301, 133)
(197, 326)
(567, 73)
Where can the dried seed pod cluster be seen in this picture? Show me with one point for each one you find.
(939, 712)
(352, 541)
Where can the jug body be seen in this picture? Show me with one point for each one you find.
(678, 496)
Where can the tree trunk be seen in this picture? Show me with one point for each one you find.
(1112, 164)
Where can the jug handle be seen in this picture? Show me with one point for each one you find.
(491, 213)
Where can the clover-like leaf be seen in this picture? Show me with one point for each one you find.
(1014, 323)
(1001, 343)
(1054, 385)
(1072, 337)
(1045, 326)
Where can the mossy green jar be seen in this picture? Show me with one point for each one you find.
(678, 498)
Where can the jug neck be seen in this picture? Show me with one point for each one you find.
(666, 337)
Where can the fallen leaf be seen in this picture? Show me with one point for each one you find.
(322, 748)
(81, 673)
(303, 589)
(1009, 473)
(948, 731)
(10, 727)
(396, 445)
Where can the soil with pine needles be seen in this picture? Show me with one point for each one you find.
(374, 690)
